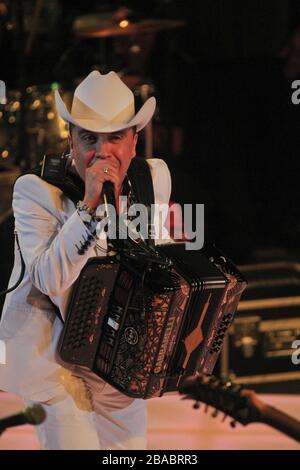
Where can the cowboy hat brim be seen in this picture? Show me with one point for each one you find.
(140, 120)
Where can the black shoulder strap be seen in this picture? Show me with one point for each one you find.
(141, 180)
(70, 183)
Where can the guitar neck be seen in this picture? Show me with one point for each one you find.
(281, 421)
(241, 404)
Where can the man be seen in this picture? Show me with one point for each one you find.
(83, 412)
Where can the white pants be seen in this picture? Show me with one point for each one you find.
(96, 417)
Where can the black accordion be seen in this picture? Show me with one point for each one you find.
(144, 323)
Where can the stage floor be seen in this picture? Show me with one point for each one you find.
(175, 425)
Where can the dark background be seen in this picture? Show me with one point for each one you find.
(222, 80)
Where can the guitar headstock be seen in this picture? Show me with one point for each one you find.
(225, 396)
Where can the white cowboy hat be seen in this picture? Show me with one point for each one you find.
(103, 103)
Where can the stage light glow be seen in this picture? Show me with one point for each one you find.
(124, 23)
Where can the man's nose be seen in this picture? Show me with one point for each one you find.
(103, 147)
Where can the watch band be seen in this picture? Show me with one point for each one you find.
(88, 216)
(82, 207)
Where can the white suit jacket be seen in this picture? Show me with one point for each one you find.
(49, 231)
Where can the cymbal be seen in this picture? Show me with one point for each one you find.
(99, 26)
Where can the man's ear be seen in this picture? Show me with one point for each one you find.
(70, 142)
(135, 139)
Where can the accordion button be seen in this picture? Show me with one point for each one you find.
(118, 309)
(109, 341)
(110, 333)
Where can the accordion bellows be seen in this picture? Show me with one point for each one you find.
(143, 325)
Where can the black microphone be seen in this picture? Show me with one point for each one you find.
(33, 414)
(109, 195)
(109, 199)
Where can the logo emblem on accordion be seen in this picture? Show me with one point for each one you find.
(131, 335)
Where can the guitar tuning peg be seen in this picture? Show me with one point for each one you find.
(215, 413)
(233, 423)
(196, 405)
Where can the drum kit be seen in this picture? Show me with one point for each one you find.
(32, 112)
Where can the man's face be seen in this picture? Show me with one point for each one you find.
(119, 146)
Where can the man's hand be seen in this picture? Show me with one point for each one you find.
(97, 172)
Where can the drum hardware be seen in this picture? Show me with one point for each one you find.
(106, 25)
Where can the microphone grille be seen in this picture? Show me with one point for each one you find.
(35, 414)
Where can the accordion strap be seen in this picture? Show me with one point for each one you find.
(68, 182)
(140, 178)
